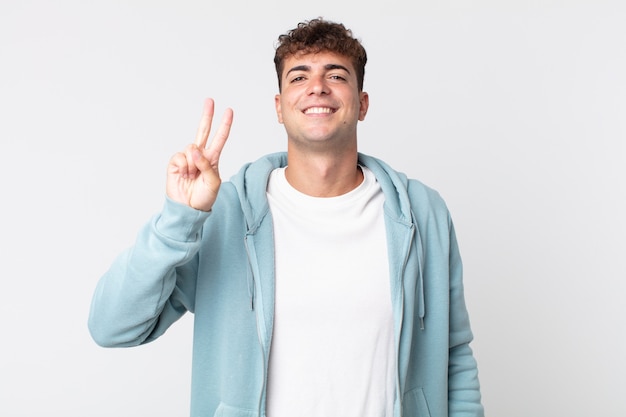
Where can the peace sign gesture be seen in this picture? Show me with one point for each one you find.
(193, 175)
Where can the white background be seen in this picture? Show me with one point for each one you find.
(515, 111)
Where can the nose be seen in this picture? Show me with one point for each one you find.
(318, 86)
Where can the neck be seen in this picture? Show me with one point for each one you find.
(323, 175)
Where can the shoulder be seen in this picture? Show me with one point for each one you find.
(227, 199)
(422, 195)
(405, 195)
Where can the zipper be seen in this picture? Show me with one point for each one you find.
(251, 280)
(401, 280)
(259, 317)
(265, 368)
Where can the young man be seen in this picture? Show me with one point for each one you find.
(323, 282)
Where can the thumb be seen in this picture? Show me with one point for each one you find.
(208, 172)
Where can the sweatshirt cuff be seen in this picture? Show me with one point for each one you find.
(180, 222)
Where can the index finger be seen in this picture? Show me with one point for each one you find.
(205, 123)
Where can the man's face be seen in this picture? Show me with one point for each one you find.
(320, 103)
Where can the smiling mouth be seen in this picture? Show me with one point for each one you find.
(319, 110)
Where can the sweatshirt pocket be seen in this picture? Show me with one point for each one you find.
(224, 410)
(414, 404)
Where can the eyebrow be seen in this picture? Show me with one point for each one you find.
(326, 67)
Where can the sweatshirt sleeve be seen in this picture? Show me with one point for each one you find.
(464, 399)
(152, 284)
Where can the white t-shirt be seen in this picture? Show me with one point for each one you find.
(332, 351)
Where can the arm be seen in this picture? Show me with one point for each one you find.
(464, 399)
(152, 284)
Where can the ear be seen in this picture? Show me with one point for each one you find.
(364, 99)
(279, 112)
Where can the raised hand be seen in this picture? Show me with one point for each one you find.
(193, 175)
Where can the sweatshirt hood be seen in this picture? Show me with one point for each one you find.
(251, 184)
(402, 232)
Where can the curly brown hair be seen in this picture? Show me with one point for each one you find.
(319, 35)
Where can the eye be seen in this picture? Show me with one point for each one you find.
(337, 77)
(297, 79)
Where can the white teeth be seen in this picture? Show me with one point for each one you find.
(318, 110)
